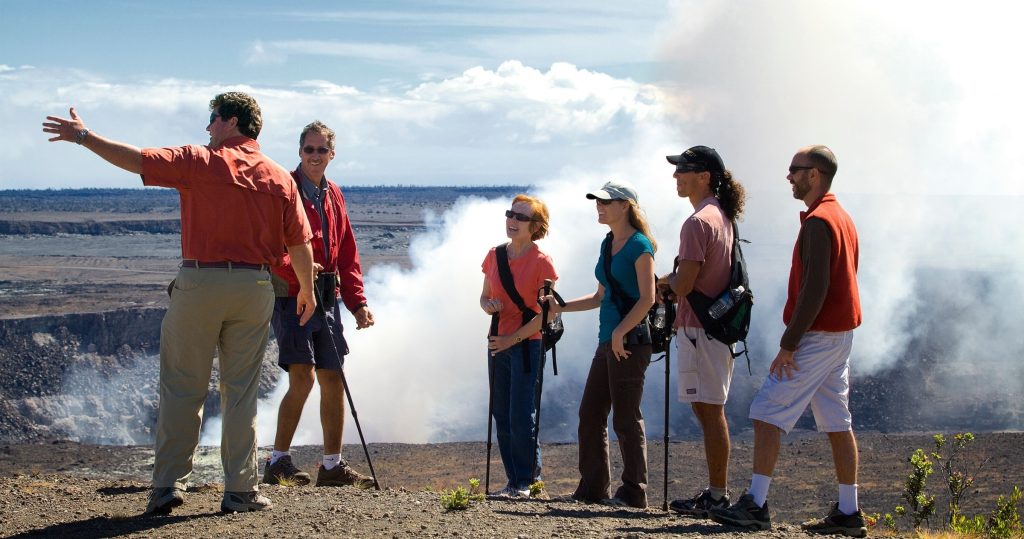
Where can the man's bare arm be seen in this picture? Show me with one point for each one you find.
(119, 154)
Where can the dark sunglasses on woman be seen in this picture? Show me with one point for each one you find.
(518, 216)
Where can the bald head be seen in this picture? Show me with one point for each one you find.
(822, 158)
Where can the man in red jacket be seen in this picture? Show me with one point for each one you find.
(314, 347)
(813, 363)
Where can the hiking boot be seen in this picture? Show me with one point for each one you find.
(838, 522)
(241, 502)
(163, 499)
(284, 471)
(620, 502)
(342, 475)
(700, 505)
(744, 514)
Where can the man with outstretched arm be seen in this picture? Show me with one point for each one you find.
(813, 363)
(238, 210)
(314, 347)
(705, 365)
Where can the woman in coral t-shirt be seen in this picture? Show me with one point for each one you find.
(515, 351)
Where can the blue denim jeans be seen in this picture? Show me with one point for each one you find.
(513, 395)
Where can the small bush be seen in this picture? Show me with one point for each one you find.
(460, 498)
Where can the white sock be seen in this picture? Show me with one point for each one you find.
(330, 461)
(717, 493)
(848, 499)
(276, 455)
(759, 488)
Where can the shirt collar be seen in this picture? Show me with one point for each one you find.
(827, 197)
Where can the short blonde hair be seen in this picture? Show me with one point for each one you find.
(539, 224)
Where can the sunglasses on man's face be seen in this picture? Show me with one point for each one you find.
(518, 216)
(320, 150)
(794, 169)
(213, 116)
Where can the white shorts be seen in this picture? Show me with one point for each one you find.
(704, 366)
(823, 381)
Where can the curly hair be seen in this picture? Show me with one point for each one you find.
(321, 128)
(730, 194)
(539, 227)
(241, 106)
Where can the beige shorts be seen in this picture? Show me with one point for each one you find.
(823, 382)
(704, 366)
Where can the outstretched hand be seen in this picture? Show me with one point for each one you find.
(63, 128)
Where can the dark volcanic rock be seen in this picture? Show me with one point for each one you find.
(89, 377)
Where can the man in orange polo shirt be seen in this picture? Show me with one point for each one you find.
(238, 208)
(813, 363)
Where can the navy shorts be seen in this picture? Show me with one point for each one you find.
(309, 344)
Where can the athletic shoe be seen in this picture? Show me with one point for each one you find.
(284, 471)
(163, 499)
(511, 492)
(342, 475)
(241, 502)
(700, 505)
(744, 514)
(838, 522)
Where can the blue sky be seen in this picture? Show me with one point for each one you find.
(490, 92)
(144, 72)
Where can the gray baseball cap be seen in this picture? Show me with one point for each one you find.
(615, 190)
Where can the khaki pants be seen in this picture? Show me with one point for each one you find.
(211, 309)
(615, 386)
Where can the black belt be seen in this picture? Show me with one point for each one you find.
(223, 265)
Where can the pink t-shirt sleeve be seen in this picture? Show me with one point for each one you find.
(693, 240)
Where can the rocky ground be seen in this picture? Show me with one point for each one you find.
(65, 489)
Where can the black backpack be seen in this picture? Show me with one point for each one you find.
(732, 326)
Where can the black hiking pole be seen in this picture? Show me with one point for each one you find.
(670, 319)
(490, 403)
(540, 375)
(344, 384)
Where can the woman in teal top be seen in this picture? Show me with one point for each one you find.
(616, 379)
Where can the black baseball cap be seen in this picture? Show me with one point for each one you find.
(698, 159)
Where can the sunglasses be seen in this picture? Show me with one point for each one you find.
(518, 216)
(604, 202)
(320, 150)
(214, 116)
(794, 169)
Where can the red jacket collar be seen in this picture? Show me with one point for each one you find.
(827, 197)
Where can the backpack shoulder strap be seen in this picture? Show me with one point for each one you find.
(509, 284)
(507, 281)
(618, 297)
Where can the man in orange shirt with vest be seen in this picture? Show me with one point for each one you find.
(238, 208)
(813, 363)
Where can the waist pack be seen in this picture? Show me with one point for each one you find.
(731, 326)
(653, 329)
